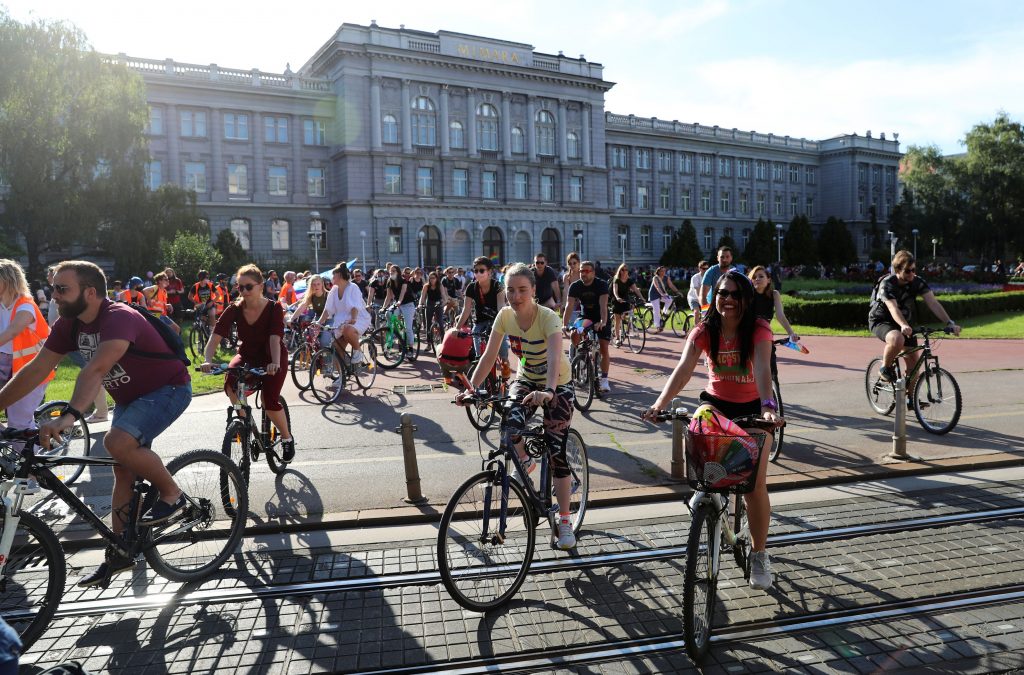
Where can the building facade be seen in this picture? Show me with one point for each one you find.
(409, 146)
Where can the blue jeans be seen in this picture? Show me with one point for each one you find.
(149, 415)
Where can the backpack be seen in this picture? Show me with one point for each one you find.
(456, 350)
(877, 288)
(170, 338)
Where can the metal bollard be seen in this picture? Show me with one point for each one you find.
(899, 435)
(412, 471)
(678, 436)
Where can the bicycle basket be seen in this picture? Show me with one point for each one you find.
(720, 455)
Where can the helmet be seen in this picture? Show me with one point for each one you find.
(134, 281)
(221, 276)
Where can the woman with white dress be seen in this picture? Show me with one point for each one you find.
(346, 305)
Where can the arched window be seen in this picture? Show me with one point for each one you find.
(518, 141)
(572, 145)
(487, 126)
(551, 245)
(545, 133)
(390, 129)
(494, 245)
(456, 135)
(240, 228)
(432, 253)
(424, 128)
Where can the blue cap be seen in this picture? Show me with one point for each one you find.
(134, 281)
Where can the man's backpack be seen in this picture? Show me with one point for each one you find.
(170, 338)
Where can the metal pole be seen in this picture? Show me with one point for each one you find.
(678, 436)
(899, 436)
(412, 471)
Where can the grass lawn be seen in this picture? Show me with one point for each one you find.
(997, 325)
(64, 383)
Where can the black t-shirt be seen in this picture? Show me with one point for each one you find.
(434, 294)
(544, 281)
(452, 285)
(380, 289)
(622, 289)
(485, 305)
(362, 284)
(396, 286)
(764, 305)
(589, 297)
(415, 288)
(903, 295)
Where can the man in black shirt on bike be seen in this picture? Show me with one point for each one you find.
(547, 291)
(892, 309)
(592, 295)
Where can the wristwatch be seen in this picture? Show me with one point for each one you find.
(68, 410)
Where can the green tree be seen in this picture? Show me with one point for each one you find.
(71, 127)
(798, 244)
(188, 253)
(760, 248)
(683, 250)
(231, 251)
(930, 200)
(835, 244)
(726, 240)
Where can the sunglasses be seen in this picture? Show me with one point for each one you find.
(247, 287)
(482, 270)
(539, 262)
(912, 270)
(735, 295)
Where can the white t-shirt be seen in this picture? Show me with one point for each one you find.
(6, 316)
(694, 286)
(341, 308)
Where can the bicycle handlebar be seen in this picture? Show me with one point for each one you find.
(928, 330)
(237, 371)
(744, 421)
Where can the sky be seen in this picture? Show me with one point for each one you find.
(928, 70)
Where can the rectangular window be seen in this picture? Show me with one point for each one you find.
(547, 188)
(862, 173)
(236, 126)
(809, 175)
(155, 126)
(275, 129)
(724, 203)
(666, 237)
(154, 175)
(760, 203)
(521, 186)
(193, 124)
(860, 206)
(744, 204)
(761, 170)
(316, 185)
(793, 202)
(238, 179)
(809, 210)
(278, 180)
(424, 181)
(314, 132)
(576, 188)
(705, 165)
(705, 201)
(392, 179)
(643, 200)
(279, 235)
(394, 240)
(776, 171)
(664, 160)
(620, 196)
(665, 198)
(195, 176)
(624, 243)
(709, 235)
(794, 173)
(724, 167)
(686, 162)
(643, 158)
(489, 180)
(240, 228)
(618, 158)
(645, 238)
(460, 182)
(778, 205)
(743, 168)
(684, 199)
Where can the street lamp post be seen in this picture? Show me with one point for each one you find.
(362, 261)
(314, 238)
(421, 235)
(622, 242)
(934, 242)
(914, 232)
(578, 237)
(778, 240)
(892, 244)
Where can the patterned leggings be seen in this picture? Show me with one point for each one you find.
(557, 418)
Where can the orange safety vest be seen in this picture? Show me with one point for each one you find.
(198, 289)
(221, 297)
(133, 297)
(29, 342)
(158, 301)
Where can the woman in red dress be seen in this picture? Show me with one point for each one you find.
(260, 326)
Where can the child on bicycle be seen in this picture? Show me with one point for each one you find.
(542, 379)
(738, 349)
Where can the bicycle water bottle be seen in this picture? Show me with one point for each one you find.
(506, 369)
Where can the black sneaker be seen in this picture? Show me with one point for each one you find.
(288, 450)
(162, 511)
(113, 563)
(887, 374)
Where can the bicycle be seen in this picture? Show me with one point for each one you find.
(329, 370)
(710, 527)
(934, 390)
(186, 549)
(585, 368)
(487, 535)
(394, 343)
(200, 334)
(75, 441)
(675, 316)
(482, 413)
(302, 357)
(632, 333)
(432, 337)
(241, 438)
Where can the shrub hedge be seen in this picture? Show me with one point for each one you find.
(852, 312)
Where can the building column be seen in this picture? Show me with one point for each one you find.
(174, 145)
(406, 118)
(586, 140)
(471, 121)
(259, 165)
(560, 134)
(531, 129)
(298, 180)
(219, 177)
(376, 132)
(506, 125)
(445, 137)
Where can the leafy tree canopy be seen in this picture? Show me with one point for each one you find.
(683, 251)
(189, 252)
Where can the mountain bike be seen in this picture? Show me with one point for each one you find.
(243, 443)
(199, 335)
(488, 532)
(433, 337)
(190, 547)
(586, 368)
(393, 343)
(329, 371)
(936, 395)
(711, 531)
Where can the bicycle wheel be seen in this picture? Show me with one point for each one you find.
(699, 583)
(390, 348)
(273, 434)
(436, 338)
(197, 340)
(481, 566)
(326, 376)
(235, 447)
(635, 336)
(579, 464)
(300, 366)
(677, 321)
(773, 454)
(583, 381)
(881, 395)
(34, 578)
(197, 544)
(937, 401)
(643, 316)
(75, 441)
(483, 415)
(366, 372)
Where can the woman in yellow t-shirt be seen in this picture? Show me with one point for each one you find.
(535, 335)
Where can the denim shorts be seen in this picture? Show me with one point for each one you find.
(149, 415)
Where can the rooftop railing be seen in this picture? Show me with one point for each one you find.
(214, 73)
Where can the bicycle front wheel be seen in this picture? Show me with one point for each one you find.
(192, 547)
(197, 340)
(481, 564)
(273, 435)
(881, 394)
(678, 322)
(643, 317)
(781, 431)
(366, 372)
(390, 348)
(579, 464)
(635, 336)
(74, 442)
(583, 381)
(937, 401)
(34, 578)
(299, 366)
(326, 376)
(235, 447)
(699, 582)
(483, 415)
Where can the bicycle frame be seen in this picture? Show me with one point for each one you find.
(723, 529)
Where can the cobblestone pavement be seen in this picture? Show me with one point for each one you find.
(379, 605)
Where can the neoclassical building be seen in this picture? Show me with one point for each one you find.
(403, 145)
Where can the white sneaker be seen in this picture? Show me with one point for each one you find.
(566, 537)
(761, 576)
(605, 387)
(357, 357)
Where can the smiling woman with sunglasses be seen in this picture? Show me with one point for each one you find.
(737, 345)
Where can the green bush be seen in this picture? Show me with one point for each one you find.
(852, 312)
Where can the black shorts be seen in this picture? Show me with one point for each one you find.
(733, 410)
(880, 330)
(619, 307)
(606, 332)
